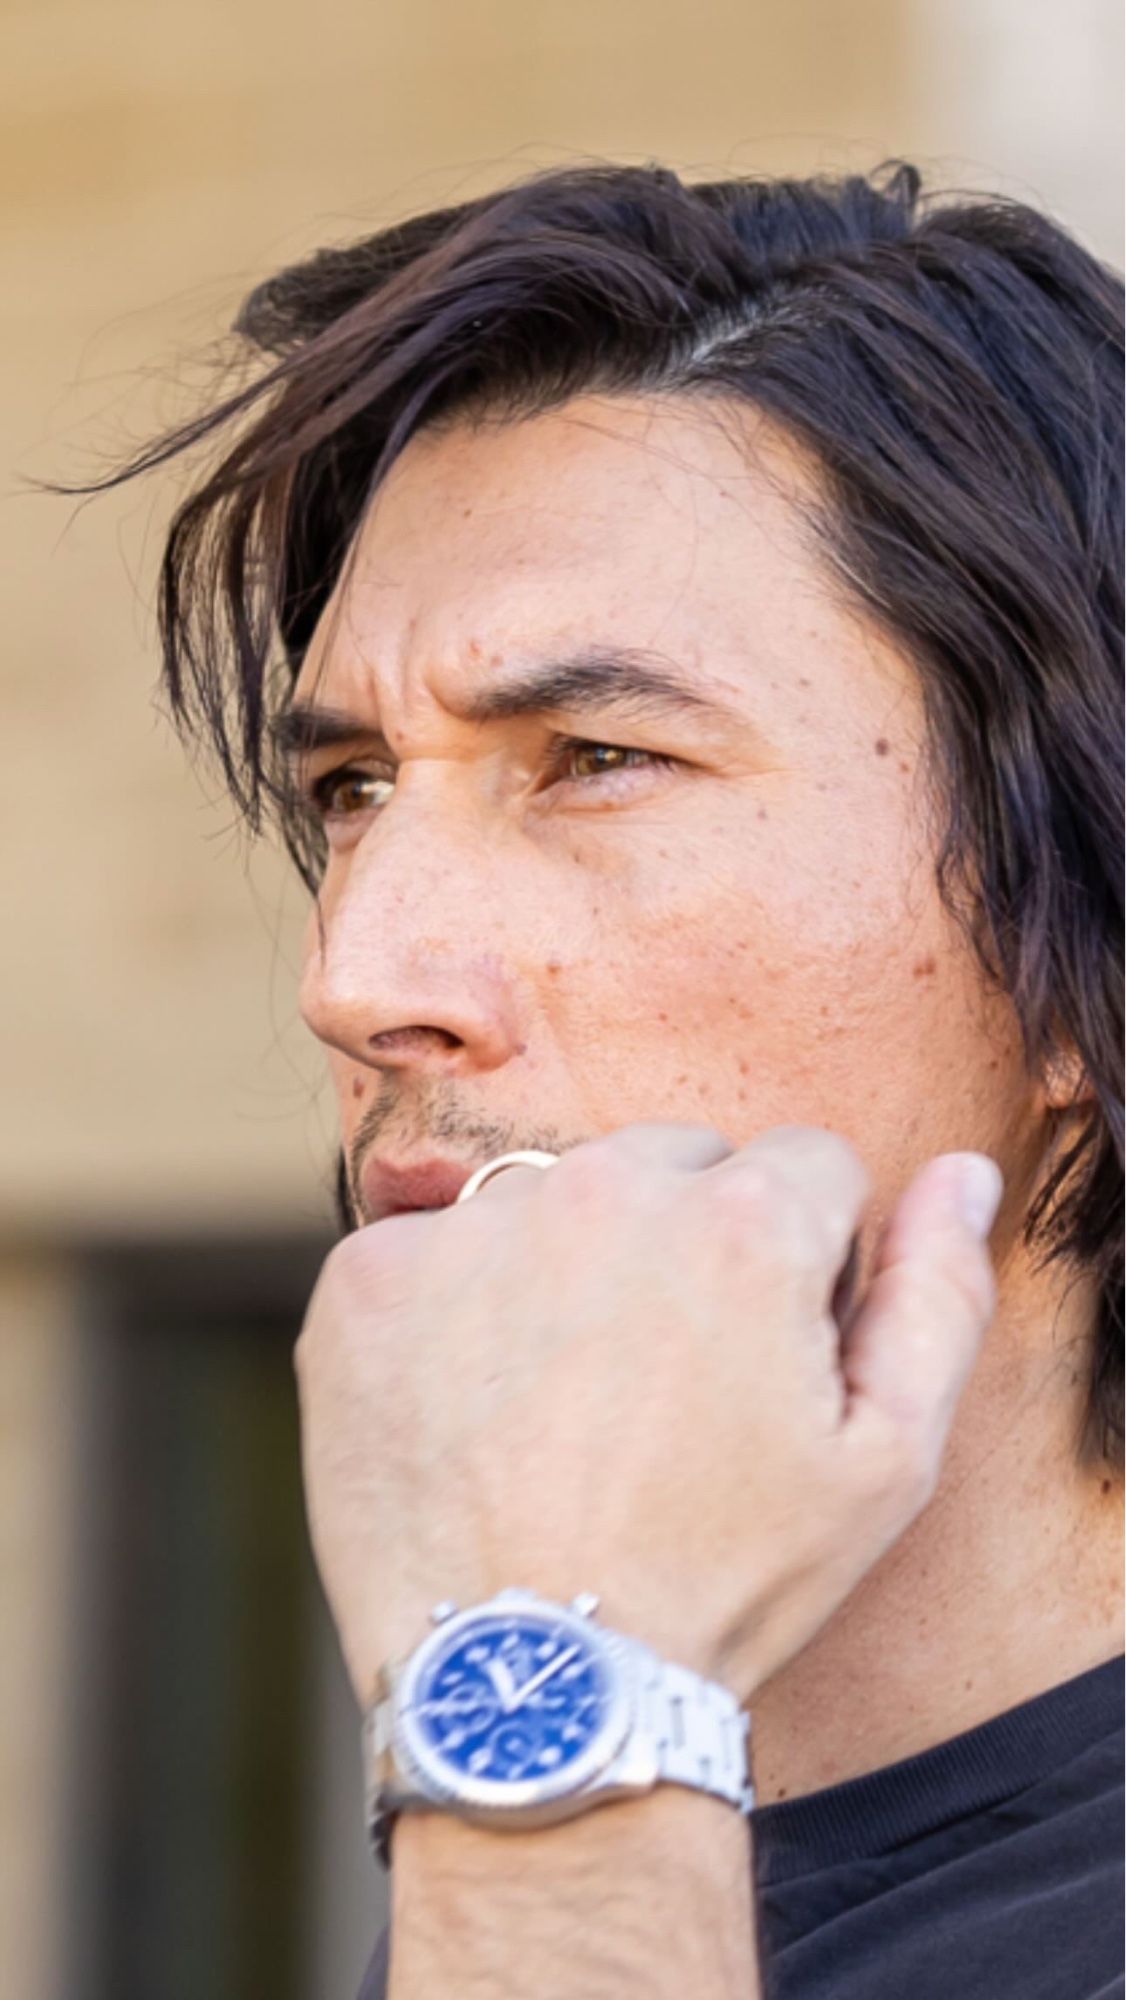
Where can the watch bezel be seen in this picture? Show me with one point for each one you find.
(424, 1765)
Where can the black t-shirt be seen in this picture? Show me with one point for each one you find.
(989, 1868)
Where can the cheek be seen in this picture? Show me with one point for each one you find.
(817, 986)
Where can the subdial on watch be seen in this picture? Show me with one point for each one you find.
(516, 1746)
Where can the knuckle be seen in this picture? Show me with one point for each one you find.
(345, 1272)
(813, 1152)
(656, 1140)
(594, 1175)
(810, 1185)
(797, 1234)
(741, 1206)
(761, 1218)
(745, 1194)
(362, 1270)
(345, 1255)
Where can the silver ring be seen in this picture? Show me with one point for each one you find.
(498, 1166)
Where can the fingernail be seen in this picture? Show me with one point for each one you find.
(978, 1187)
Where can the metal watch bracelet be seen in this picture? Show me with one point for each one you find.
(700, 1733)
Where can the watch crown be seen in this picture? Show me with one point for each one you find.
(586, 1603)
(442, 1611)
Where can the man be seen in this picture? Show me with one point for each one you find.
(699, 609)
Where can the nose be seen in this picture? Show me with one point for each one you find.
(405, 966)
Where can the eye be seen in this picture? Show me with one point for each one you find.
(580, 761)
(344, 793)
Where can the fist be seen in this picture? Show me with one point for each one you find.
(625, 1375)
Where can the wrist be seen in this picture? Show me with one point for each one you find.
(668, 1824)
(652, 1886)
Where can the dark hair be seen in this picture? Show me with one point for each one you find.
(953, 366)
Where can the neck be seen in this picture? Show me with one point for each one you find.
(1008, 1584)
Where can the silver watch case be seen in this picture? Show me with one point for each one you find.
(405, 1771)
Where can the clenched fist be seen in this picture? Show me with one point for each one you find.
(624, 1375)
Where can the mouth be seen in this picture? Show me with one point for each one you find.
(387, 1189)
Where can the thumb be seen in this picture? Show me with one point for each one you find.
(912, 1343)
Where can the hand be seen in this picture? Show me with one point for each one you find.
(623, 1375)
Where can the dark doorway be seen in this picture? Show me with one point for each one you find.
(200, 1624)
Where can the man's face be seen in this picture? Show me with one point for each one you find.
(559, 900)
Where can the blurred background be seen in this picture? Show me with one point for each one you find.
(179, 1773)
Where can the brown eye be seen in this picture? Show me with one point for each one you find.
(593, 760)
(341, 794)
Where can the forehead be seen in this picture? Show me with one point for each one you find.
(589, 497)
(681, 527)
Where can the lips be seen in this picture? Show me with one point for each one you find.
(387, 1189)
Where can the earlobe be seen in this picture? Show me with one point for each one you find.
(1066, 1083)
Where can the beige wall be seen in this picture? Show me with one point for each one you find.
(1025, 96)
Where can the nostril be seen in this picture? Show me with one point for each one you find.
(412, 1041)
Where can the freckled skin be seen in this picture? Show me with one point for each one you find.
(753, 937)
(769, 904)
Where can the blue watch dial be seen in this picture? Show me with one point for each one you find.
(514, 1696)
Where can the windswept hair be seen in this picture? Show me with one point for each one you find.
(953, 366)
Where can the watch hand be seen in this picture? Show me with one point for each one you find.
(504, 1687)
(537, 1680)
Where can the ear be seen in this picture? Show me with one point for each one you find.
(1065, 1082)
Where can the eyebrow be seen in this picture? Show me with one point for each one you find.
(640, 683)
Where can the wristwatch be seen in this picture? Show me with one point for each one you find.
(520, 1712)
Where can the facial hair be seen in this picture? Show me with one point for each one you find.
(436, 1122)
